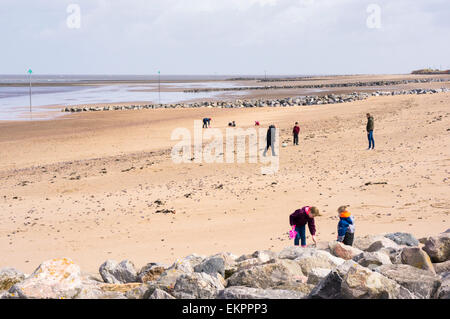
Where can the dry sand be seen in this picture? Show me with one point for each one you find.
(84, 186)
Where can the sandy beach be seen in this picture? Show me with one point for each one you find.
(88, 186)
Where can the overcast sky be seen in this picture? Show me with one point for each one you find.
(223, 36)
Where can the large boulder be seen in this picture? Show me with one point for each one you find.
(416, 257)
(315, 275)
(150, 272)
(240, 292)
(364, 242)
(168, 279)
(406, 239)
(187, 263)
(444, 290)
(420, 282)
(9, 277)
(381, 244)
(312, 259)
(212, 266)
(343, 251)
(118, 273)
(270, 275)
(198, 286)
(58, 278)
(438, 247)
(442, 267)
(160, 294)
(352, 281)
(372, 259)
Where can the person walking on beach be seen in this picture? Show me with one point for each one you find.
(369, 128)
(346, 226)
(299, 219)
(205, 122)
(270, 138)
(296, 131)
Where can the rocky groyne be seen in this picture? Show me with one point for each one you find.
(386, 266)
(320, 86)
(284, 102)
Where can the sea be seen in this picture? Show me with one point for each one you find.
(66, 90)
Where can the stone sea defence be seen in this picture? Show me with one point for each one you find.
(385, 266)
(284, 102)
(319, 86)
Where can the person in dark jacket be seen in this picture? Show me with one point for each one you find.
(296, 131)
(346, 226)
(299, 219)
(369, 128)
(270, 138)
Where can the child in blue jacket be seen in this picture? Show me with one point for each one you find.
(346, 226)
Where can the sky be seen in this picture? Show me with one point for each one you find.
(224, 37)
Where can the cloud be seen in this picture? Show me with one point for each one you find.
(224, 36)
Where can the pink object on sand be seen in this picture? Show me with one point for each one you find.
(292, 233)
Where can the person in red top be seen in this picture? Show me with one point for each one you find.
(296, 131)
(300, 218)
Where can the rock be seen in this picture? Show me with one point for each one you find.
(362, 283)
(9, 277)
(416, 257)
(420, 282)
(240, 292)
(212, 266)
(150, 272)
(372, 259)
(352, 281)
(343, 251)
(160, 294)
(382, 243)
(264, 255)
(365, 242)
(403, 239)
(444, 290)
(442, 267)
(54, 279)
(438, 247)
(168, 279)
(121, 273)
(317, 274)
(198, 286)
(269, 275)
(187, 263)
(312, 259)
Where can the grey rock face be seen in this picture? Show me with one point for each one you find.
(118, 273)
(444, 289)
(212, 266)
(403, 239)
(198, 286)
(352, 281)
(269, 275)
(420, 282)
(372, 259)
(442, 267)
(383, 243)
(240, 292)
(438, 247)
(160, 294)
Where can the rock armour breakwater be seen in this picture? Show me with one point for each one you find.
(319, 86)
(284, 102)
(385, 266)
